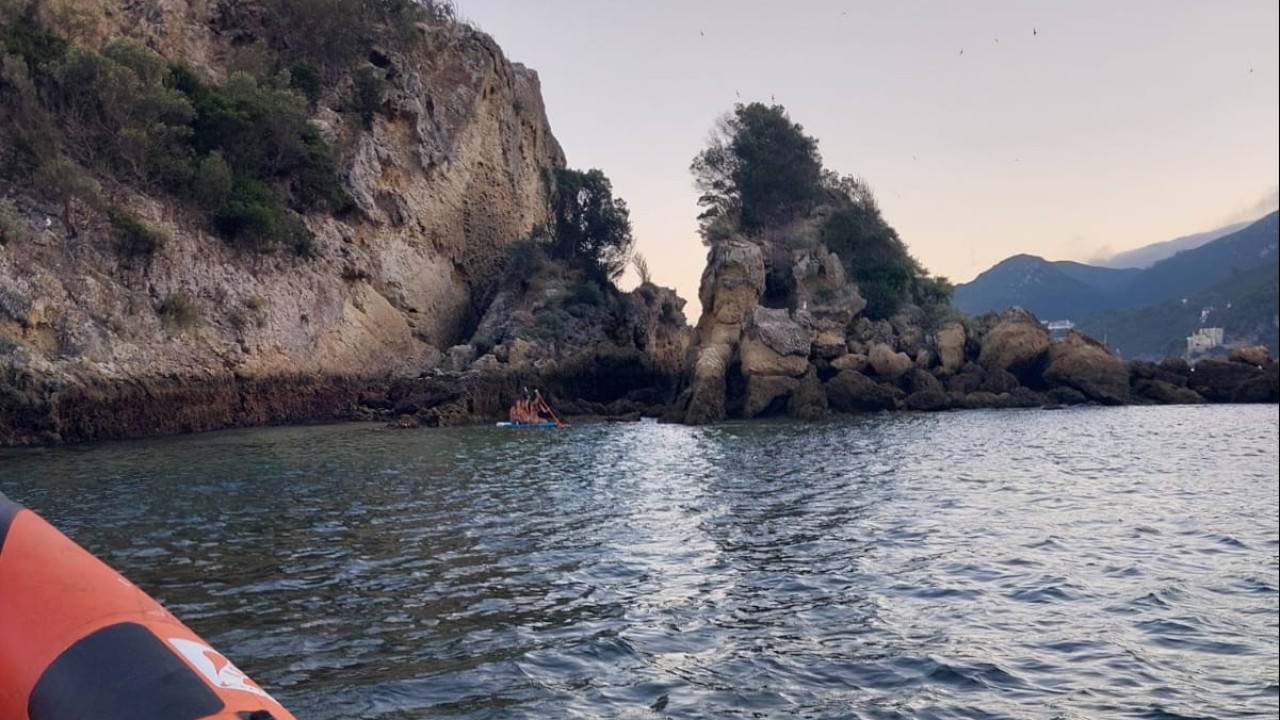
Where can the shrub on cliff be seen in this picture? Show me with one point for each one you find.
(244, 153)
(759, 169)
(11, 225)
(592, 227)
(134, 238)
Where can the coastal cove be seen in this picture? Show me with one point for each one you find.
(1086, 562)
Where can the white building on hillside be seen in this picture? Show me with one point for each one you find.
(1204, 339)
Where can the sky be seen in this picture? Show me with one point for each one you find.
(1068, 130)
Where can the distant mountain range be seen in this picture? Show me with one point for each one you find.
(1070, 290)
(1148, 255)
(1234, 268)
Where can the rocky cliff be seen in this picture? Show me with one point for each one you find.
(445, 174)
(782, 334)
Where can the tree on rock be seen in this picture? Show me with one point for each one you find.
(760, 169)
(591, 225)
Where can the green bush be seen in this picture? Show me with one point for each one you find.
(586, 293)
(367, 92)
(592, 227)
(670, 313)
(525, 259)
(549, 324)
(255, 219)
(306, 79)
(238, 318)
(132, 237)
(179, 310)
(11, 225)
(213, 182)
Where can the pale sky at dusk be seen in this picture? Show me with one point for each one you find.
(1063, 129)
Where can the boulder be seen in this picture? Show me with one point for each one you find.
(951, 339)
(760, 359)
(1144, 370)
(829, 343)
(459, 357)
(767, 394)
(969, 379)
(999, 381)
(1063, 395)
(886, 363)
(1225, 381)
(927, 401)
(852, 391)
(1256, 355)
(707, 397)
(809, 401)
(776, 328)
(1017, 343)
(1165, 393)
(1086, 365)
(853, 361)
(922, 381)
(981, 400)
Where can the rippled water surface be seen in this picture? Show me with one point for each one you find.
(1080, 563)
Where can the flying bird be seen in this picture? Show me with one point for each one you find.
(961, 51)
(1034, 32)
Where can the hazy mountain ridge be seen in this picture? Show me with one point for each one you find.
(1148, 255)
(1068, 290)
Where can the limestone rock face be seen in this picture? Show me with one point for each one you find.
(1085, 365)
(1017, 343)
(732, 284)
(707, 401)
(442, 182)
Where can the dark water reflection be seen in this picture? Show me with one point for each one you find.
(1075, 564)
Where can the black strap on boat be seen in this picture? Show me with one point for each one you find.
(8, 510)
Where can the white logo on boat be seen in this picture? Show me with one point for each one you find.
(218, 670)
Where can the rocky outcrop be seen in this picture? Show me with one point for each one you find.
(1017, 343)
(1085, 365)
(784, 355)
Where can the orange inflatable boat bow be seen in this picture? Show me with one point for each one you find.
(80, 642)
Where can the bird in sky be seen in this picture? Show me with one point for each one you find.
(1034, 32)
(961, 51)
